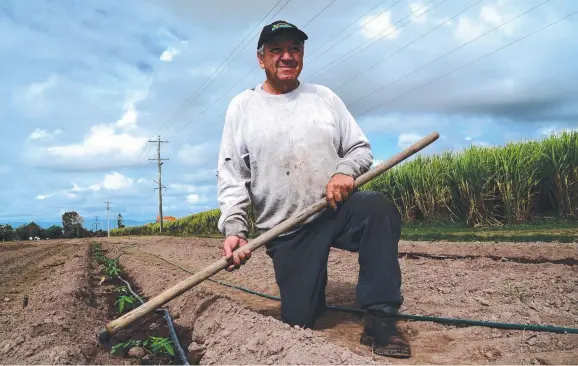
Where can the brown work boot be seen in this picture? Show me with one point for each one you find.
(381, 334)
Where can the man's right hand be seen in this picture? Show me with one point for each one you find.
(231, 243)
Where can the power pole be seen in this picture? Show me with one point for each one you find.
(95, 224)
(107, 217)
(160, 184)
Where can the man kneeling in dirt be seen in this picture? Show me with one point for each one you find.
(285, 145)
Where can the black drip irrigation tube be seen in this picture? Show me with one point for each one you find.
(435, 319)
(170, 323)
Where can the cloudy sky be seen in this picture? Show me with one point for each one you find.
(86, 84)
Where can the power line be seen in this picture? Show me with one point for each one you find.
(246, 75)
(256, 67)
(447, 53)
(227, 65)
(358, 18)
(160, 184)
(469, 63)
(195, 94)
(320, 12)
(333, 64)
(410, 43)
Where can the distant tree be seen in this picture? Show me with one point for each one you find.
(24, 232)
(72, 225)
(6, 232)
(53, 232)
(119, 221)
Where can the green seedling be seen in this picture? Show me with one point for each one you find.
(124, 301)
(112, 271)
(158, 345)
(129, 344)
(161, 345)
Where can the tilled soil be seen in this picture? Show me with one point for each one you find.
(530, 283)
(49, 311)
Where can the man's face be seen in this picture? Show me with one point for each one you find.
(282, 58)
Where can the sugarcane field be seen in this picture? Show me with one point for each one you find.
(290, 182)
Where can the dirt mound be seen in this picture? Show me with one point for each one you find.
(61, 316)
(526, 283)
(225, 331)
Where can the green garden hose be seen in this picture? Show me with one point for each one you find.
(435, 319)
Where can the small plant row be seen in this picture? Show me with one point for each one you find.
(125, 300)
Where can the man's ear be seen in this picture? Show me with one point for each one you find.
(260, 59)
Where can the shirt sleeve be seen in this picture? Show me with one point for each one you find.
(355, 149)
(233, 177)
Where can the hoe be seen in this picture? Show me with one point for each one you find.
(122, 322)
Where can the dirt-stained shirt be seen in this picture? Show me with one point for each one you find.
(278, 152)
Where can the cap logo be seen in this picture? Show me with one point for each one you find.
(280, 25)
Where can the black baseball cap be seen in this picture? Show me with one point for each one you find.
(277, 27)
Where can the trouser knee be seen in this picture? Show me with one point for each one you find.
(374, 203)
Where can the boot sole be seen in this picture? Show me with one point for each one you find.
(388, 350)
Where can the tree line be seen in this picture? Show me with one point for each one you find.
(72, 227)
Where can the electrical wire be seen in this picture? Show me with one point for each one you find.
(311, 53)
(450, 52)
(467, 64)
(196, 93)
(348, 55)
(410, 43)
(244, 77)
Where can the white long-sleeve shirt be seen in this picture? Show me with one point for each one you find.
(280, 151)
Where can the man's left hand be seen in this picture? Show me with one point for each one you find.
(338, 189)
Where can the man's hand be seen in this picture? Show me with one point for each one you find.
(338, 189)
(231, 243)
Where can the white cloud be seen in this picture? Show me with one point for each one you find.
(42, 197)
(37, 90)
(380, 26)
(406, 139)
(467, 29)
(129, 118)
(102, 140)
(195, 155)
(183, 187)
(169, 54)
(70, 195)
(39, 134)
(115, 181)
(417, 12)
(201, 175)
(490, 14)
(193, 198)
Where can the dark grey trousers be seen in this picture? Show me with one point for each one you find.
(366, 223)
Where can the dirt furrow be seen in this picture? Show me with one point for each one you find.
(533, 290)
(60, 321)
(227, 331)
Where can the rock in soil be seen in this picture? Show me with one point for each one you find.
(137, 352)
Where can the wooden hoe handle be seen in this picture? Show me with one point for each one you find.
(116, 325)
